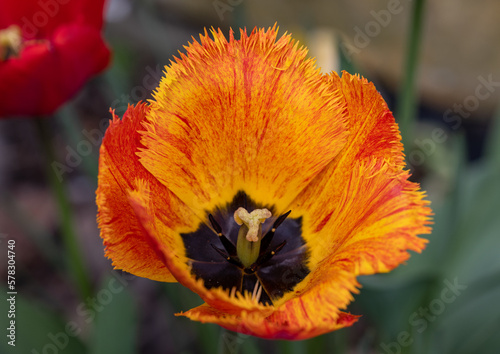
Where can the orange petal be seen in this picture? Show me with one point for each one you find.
(119, 170)
(279, 325)
(252, 114)
(373, 133)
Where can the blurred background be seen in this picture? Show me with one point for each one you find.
(437, 64)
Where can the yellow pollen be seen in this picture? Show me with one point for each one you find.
(252, 221)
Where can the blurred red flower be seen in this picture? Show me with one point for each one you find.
(48, 50)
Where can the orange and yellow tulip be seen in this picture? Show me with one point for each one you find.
(261, 184)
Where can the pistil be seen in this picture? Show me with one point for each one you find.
(10, 42)
(249, 234)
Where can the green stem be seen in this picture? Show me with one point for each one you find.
(73, 131)
(74, 258)
(407, 102)
(31, 228)
(492, 147)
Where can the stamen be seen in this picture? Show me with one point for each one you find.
(257, 291)
(215, 225)
(228, 245)
(233, 292)
(221, 252)
(266, 240)
(229, 258)
(280, 220)
(263, 258)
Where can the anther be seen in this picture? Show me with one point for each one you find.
(215, 225)
(230, 259)
(263, 258)
(228, 245)
(266, 240)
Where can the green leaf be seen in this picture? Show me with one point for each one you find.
(389, 309)
(115, 323)
(38, 330)
(476, 242)
(471, 323)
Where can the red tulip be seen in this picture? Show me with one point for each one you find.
(48, 50)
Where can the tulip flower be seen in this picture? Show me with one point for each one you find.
(48, 50)
(261, 184)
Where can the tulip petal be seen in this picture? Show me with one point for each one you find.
(119, 173)
(361, 214)
(279, 325)
(251, 115)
